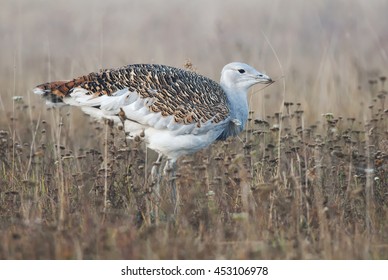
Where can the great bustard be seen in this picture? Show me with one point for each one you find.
(177, 112)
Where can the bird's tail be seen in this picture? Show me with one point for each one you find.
(54, 92)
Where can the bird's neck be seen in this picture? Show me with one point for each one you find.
(238, 104)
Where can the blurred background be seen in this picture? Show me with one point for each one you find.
(322, 53)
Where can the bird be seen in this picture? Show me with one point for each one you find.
(177, 112)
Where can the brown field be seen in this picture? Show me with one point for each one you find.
(307, 179)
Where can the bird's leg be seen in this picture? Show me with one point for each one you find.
(155, 184)
(155, 171)
(170, 169)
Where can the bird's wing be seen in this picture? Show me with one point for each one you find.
(145, 93)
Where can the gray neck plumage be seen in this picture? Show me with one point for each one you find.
(238, 105)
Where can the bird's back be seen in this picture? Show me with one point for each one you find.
(188, 96)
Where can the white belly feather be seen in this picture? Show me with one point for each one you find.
(159, 131)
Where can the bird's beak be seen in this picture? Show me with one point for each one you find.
(263, 79)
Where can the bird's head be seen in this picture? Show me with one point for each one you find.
(240, 76)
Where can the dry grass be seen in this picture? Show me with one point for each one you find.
(306, 180)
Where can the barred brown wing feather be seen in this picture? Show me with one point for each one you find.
(186, 95)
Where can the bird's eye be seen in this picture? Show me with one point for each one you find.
(241, 71)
